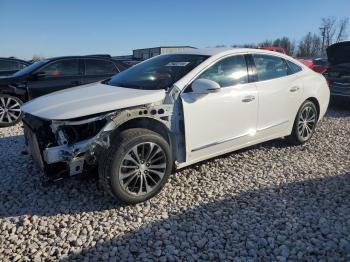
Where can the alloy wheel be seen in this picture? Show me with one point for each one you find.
(10, 110)
(307, 122)
(142, 168)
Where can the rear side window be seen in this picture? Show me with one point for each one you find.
(294, 68)
(269, 67)
(62, 68)
(228, 71)
(99, 67)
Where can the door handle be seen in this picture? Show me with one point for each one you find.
(248, 99)
(294, 89)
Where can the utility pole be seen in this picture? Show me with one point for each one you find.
(323, 34)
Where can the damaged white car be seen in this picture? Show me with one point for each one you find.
(172, 111)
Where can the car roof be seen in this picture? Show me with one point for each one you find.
(108, 57)
(223, 51)
(14, 59)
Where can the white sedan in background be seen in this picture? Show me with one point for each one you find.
(172, 111)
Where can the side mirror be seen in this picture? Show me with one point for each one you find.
(39, 75)
(205, 86)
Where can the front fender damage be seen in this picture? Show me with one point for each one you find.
(83, 154)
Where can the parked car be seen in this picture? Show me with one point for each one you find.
(50, 75)
(9, 66)
(307, 62)
(319, 65)
(274, 49)
(172, 111)
(338, 72)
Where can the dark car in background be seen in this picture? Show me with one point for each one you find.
(9, 66)
(338, 72)
(51, 75)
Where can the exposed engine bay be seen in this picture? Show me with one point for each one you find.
(70, 147)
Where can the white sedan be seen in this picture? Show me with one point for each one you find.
(172, 111)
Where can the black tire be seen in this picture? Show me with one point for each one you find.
(110, 164)
(10, 112)
(298, 136)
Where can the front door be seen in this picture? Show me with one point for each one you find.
(57, 75)
(220, 121)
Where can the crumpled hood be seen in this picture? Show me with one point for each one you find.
(88, 100)
(339, 53)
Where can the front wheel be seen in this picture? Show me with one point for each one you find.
(304, 124)
(10, 110)
(136, 166)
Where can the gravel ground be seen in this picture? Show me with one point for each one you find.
(268, 202)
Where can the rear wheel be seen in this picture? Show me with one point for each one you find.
(136, 166)
(10, 110)
(304, 124)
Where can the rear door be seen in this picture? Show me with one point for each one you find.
(280, 93)
(58, 75)
(98, 69)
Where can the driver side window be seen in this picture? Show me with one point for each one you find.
(62, 68)
(228, 71)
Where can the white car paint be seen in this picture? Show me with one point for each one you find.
(88, 100)
(278, 101)
(215, 123)
(213, 118)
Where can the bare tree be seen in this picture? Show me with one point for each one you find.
(342, 27)
(286, 44)
(329, 25)
(37, 57)
(244, 45)
(266, 43)
(334, 31)
(309, 46)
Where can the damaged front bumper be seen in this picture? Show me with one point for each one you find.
(53, 151)
(71, 147)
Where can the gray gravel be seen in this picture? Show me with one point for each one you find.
(268, 202)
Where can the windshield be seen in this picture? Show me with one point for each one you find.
(160, 72)
(30, 68)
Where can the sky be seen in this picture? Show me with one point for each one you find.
(55, 28)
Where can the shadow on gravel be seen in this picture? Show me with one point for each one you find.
(6, 140)
(304, 220)
(69, 196)
(26, 194)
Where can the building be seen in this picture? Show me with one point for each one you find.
(123, 57)
(145, 53)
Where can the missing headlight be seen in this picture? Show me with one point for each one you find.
(76, 133)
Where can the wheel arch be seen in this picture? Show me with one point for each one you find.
(317, 104)
(10, 92)
(150, 124)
